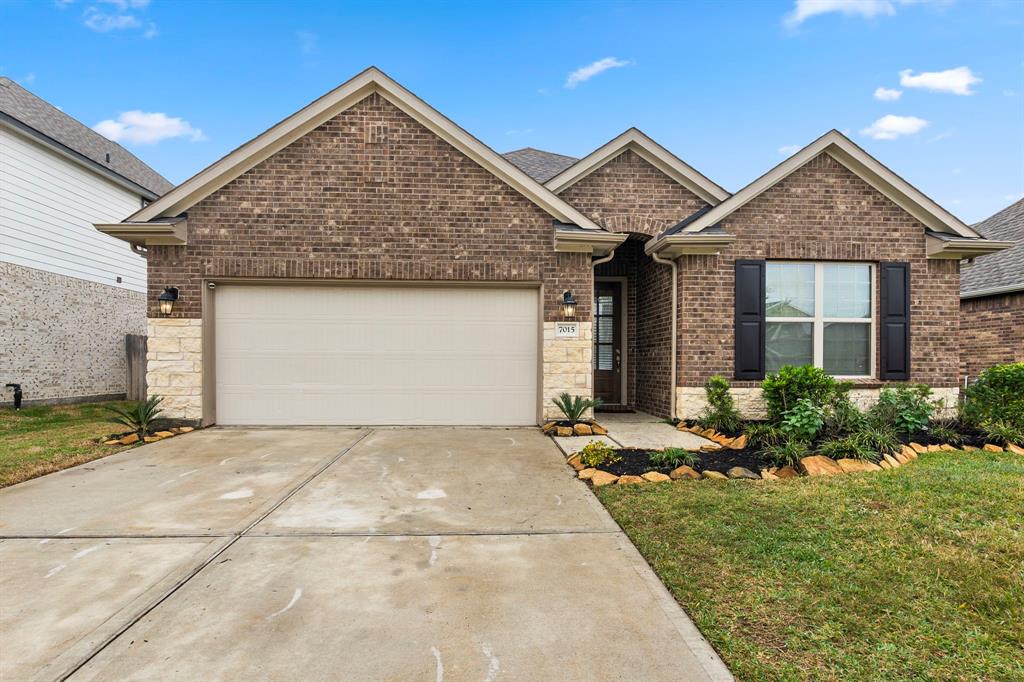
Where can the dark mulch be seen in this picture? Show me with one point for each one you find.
(636, 462)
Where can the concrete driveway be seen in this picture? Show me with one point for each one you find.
(287, 554)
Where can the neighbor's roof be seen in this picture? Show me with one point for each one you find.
(538, 164)
(999, 272)
(40, 119)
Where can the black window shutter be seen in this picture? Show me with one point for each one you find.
(895, 321)
(749, 319)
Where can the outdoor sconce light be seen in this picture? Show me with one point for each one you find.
(167, 300)
(568, 305)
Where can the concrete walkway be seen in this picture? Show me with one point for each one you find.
(288, 554)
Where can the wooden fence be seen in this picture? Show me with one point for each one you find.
(135, 349)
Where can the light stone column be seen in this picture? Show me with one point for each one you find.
(174, 366)
(567, 366)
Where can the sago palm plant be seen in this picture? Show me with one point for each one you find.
(573, 406)
(139, 417)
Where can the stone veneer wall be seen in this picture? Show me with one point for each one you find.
(690, 401)
(62, 338)
(567, 366)
(991, 332)
(174, 366)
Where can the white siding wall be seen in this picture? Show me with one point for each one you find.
(47, 207)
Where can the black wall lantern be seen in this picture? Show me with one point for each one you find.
(568, 305)
(167, 300)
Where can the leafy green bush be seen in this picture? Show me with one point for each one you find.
(907, 409)
(673, 457)
(803, 420)
(138, 417)
(789, 452)
(763, 434)
(789, 385)
(574, 406)
(1002, 433)
(721, 413)
(596, 453)
(997, 395)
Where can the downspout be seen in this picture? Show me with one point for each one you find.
(598, 261)
(675, 329)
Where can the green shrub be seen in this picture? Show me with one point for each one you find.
(673, 457)
(763, 434)
(907, 409)
(790, 452)
(803, 420)
(574, 406)
(138, 417)
(850, 447)
(997, 395)
(944, 432)
(721, 413)
(842, 417)
(789, 385)
(878, 438)
(596, 453)
(1002, 433)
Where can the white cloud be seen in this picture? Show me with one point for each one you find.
(868, 9)
(805, 9)
(957, 81)
(119, 18)
(1009, 93)
(308, 41)
(141, 127)
(587, 72)
(519, 131)
(887, 94)
(29, 79)
(890, 127)
(789, 149)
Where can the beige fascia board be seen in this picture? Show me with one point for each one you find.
(962, 248)
(207, 181)
(839, 147)
(676, 245)
(595, 243)
(650, 151)
(148, 234)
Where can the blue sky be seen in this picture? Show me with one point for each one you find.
(729, 87)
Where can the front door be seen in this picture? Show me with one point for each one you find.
(608, 342)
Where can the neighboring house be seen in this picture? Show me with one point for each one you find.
(68, 295)
(992, 298)
(367, 261)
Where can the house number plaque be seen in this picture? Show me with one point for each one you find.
(567, 330)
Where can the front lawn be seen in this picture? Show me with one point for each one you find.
(905, 574)
(39, 440)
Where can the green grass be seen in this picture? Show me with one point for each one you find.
(916, 573)
(39, 440)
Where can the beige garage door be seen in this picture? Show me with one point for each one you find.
(375, 355)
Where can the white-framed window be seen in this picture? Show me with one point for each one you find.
(820, 314)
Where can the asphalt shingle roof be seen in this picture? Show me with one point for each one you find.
(1003, 268)
(539, 165)
(46, 119)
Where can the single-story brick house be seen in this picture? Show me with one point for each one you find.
(367, 261)
(992, 298)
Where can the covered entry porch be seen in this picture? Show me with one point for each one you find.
(632, 331)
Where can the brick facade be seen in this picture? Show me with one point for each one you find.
(991, 332)
(62, 338)
(821, 212)
(627, 194)
(370, 194)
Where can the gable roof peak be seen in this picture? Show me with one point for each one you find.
(370, 81)
(635, 140)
